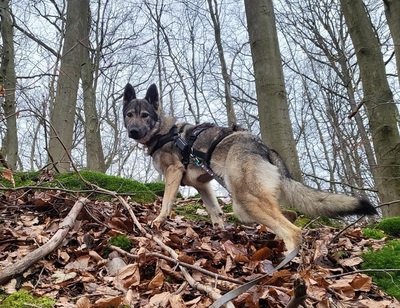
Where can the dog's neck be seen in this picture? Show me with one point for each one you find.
(164, 126)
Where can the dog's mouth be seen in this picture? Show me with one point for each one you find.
(136, 133)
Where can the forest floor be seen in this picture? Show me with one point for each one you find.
(80, 268)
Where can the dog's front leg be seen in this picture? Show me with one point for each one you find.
(211, 204)
(173, 178)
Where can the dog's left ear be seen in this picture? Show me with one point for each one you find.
(152, 95)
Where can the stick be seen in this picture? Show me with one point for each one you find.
(20, 266)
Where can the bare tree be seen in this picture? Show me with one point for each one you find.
(392, 12)
(214, 13)
(62, 113)
(90, 68)
(275, 124)
(8, 84)
(378, 98)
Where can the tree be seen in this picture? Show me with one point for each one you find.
(90, 66)
(8, 83)
(392, 12)
(62, 113)
(275, 125)
(378, 99)
(214, 13)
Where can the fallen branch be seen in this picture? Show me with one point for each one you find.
(20, 266)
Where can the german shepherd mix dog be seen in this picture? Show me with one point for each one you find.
(255, 175)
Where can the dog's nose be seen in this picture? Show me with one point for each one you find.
(134, 133)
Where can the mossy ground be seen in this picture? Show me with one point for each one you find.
(23, 299)
(385, 259)
(139, 192)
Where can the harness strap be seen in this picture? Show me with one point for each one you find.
(172, 135)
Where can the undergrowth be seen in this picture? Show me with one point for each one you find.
(23, 299)
(385, 259)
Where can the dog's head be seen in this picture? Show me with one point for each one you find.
(140, 115)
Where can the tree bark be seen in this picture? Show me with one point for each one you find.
(224, 69)
(275, 125)
(94, 149)
(62, 113)
(8, 82)
(392, 12)
(378, 99)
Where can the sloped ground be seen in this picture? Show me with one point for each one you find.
(85, 272)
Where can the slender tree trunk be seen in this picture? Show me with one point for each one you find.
(275, 125)
(8, 80)
(62, 113)
(378, 98)
(94, 149)
(392, 12)
(224, 69)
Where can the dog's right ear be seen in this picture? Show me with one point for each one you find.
(129, 93)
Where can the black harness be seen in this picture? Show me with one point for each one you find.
(188, 152)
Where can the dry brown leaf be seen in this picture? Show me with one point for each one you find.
(160, 300)
(8, 175)
(83, 302)
(108, 302)
(176, 301)
(361, 283)
(264, 253)
(157, 281)
(351, 261)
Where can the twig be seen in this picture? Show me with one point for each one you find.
(178, 262)
(364, 271)
(20, 266)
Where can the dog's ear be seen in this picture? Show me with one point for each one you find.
(152, 95)
(129, 93)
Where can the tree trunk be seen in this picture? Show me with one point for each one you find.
(378, 99)
(275, 125)
(392, 12)
(62, 113)
(8, 81)
(94, 149)
(224, 69)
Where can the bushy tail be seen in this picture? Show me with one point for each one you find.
(318, 203)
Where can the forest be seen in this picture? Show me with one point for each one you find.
(318, 81)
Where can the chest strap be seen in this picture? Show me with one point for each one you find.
(172, 135)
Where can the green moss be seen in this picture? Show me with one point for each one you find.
(390, 226)
(20, 178)
(138, 191)
(373, 233)
(386, 258)
(121, 241)
(189, 212)
(23, 299)
(157, 188)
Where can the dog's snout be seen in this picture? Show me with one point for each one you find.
(135, 133)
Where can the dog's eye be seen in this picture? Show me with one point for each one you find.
(144, 115)
(129, 114)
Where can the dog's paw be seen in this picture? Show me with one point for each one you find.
(157, 223)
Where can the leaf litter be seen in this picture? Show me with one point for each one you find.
(84, 271)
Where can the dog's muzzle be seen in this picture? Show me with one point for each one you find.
(135, 133)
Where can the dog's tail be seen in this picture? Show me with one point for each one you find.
(319, 203)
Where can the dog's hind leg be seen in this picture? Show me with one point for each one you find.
(173, 179)
(211, 204)
(266, 211)
(255, 189)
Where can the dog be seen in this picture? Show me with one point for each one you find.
(254, 174)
